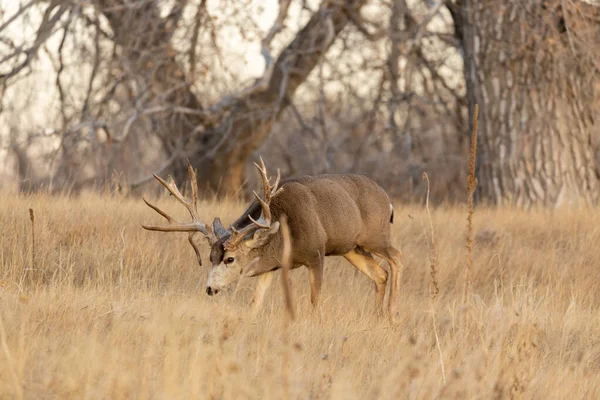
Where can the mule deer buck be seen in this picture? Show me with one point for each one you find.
(328, 215)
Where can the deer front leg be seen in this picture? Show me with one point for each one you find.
(315, 270)
(264, 281)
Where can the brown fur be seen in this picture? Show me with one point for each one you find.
(328, 215)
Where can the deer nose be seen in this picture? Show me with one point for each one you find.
(210, 291)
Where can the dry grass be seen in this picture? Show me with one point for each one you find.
(471, 186)
(105, 315)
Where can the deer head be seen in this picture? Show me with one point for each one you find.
(232, 250)
(239, 252)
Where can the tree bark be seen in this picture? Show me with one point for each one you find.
(226, 146)
(219, 140)
(536, 116)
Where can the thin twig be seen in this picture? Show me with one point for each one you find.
(437, 343)
(97, 60)
(263, 82)
(433, 256)
(32, 219)
(121, 258)
(265, 46)
(60, 69)
(433, 253)
(45, 30)
(200, 13)
(16, 15)
(471, 186)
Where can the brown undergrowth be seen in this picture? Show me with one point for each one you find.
(108, 310)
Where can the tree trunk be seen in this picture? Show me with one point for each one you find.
(217, 141)
(224, 148)
(535, 97)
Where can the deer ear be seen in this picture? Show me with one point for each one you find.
(262, 236)
(252, 269)
(218, 228)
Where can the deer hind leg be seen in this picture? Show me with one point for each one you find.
(393, 258)
(315, 270)
(365, 263)
(264, 281)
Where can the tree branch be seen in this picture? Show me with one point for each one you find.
(44, 31)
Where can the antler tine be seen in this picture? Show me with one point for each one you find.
(262, 170)
(262, 164)
(265, 217)
(269, 190)
(174, 226)
(158, 210)
(172, 188)
(264, 222)
(195, 247)
(196, 225)
(275, 189)
(238, 235)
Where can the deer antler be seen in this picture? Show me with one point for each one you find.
(193, 227)
(264, 222)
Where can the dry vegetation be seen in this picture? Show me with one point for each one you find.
(108, 310)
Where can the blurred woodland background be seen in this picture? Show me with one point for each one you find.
(98, 94)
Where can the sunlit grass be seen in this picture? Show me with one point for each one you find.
(93, 316)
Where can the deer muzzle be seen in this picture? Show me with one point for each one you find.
(210, 291)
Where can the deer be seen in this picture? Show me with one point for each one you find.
(346, 215)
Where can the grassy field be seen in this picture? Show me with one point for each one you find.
(105, 309)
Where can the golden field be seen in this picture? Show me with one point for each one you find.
(107, 310)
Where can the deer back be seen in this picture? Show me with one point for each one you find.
(331, 212)
(327, 213)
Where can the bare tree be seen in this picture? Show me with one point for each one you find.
(220, 139)
(532, 67)
(375, 87)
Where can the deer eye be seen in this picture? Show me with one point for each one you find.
(229, 260)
